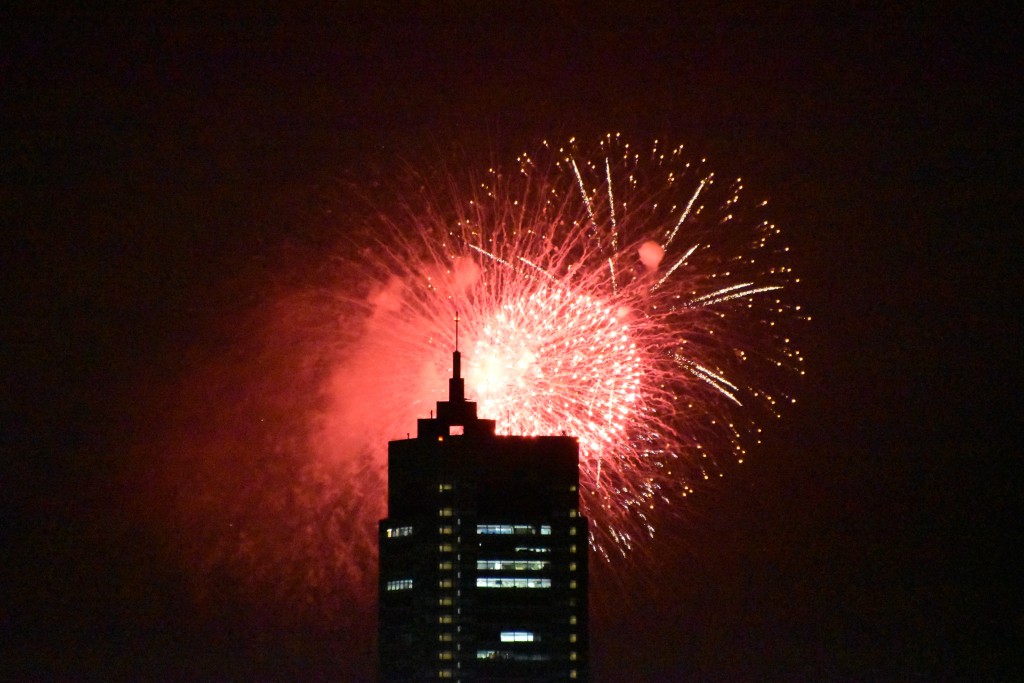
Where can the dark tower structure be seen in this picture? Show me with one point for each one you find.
(483, 555)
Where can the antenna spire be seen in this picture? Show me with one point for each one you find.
(456, 385)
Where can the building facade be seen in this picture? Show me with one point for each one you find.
(483, 555)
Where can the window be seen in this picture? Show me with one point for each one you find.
(446, 530)
(517, 637)
(399, 531)
(445, 654)
(447, 673)
(572, 637)
(444, 637)
(572, 656)
(444, 486)
(572, 566)
(572, 584)
(531, 549)
(456, 430)
(513, 565)
(444, 602)
(444, 619)
(513, 529)
(572, 549)
(443, 566)
(398, 585)
(572, 531)
(444, 548)
(574, 513)
(572, 619)
(444, 512)
(496, 582)
(514, 656)
(444, 583)
(572, 673)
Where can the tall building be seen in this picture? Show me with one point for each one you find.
(483, 555)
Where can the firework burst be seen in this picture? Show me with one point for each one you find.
(624, 297)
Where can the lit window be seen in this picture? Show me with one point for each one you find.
(513, 656)
(572, 637)
(516, 529)
(572, 531)
(512, 565)
(497, 582)
(440, 439)
(572, 549)
(572, 673)
(444, 487)
(444, 548)
(444, 512)
(448, 565)
(444, 637)
(445, 530)
(572, 619)
(517, 637)
(572, 488)
(444, 619)
(446, 654)
(572, 566)
(399, 531)
(572, 584)
(444, 583)
(399, 585)
(456, 430)
(444, 601)
(572, 656)
(574, 513)
(447, 673)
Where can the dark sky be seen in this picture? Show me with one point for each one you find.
(148, 161)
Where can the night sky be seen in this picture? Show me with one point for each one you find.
(152, 167)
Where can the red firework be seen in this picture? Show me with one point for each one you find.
(625, 297)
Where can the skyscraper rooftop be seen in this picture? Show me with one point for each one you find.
(483, 554)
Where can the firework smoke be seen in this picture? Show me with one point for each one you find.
(625, 297)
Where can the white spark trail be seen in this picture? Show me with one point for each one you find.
(686, 212)
(492, 256)
(583, 193)
(671, 270)
(611, 205)
(539, 269)
(713, 378)
(729, 293)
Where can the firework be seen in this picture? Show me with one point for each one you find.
(626, 298)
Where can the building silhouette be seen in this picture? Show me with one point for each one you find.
(483, 555)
